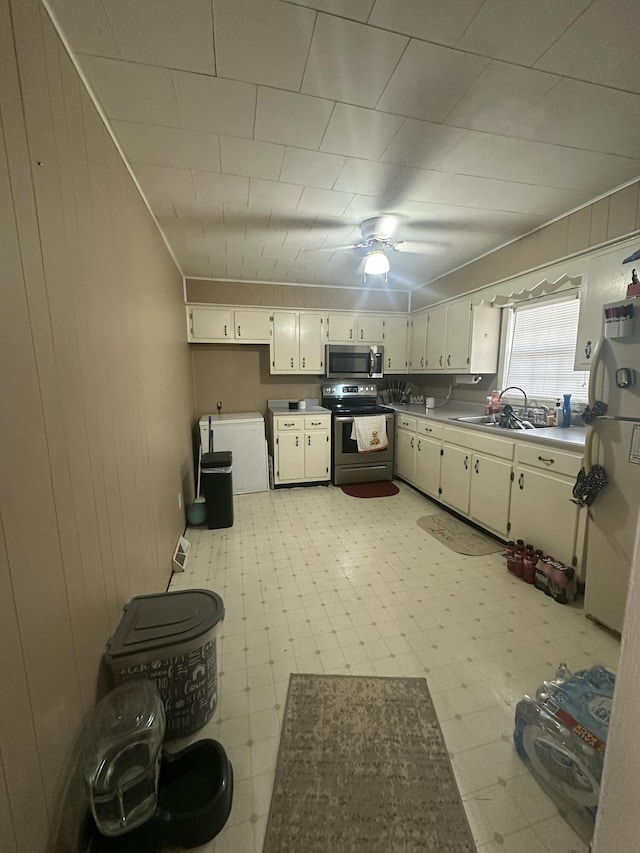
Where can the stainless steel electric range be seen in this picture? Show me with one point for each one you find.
(349, 400)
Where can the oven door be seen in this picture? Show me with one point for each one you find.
(354, 362)
(350, 466)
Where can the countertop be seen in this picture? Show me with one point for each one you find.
(570, 438)
(281, 407)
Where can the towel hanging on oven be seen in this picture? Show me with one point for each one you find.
(370, 433)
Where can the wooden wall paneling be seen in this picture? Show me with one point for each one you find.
(7, 832)
(622, 212)
(35, 560)
(109, 540)
(553, 240)
(579, 230)
(599, 221)
(18, 750)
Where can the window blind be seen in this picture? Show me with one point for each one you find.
(542, 347)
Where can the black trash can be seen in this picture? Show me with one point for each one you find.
(217, 485)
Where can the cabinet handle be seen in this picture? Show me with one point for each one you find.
(421, 361)
(309, 440)
(225, 331)
(419, 442)
(466, 463)
(350, 334)
(428, 429)
(361, 334)
(440, 360)
(292, 362)
(475, 467)
(316, 423)
(548, 460)
(587, 349)
(291, 423)
(304, 361)
(448, 361)
(388, 362)
(238, 331)
(521, 481)
(412, 444)
(297, 441)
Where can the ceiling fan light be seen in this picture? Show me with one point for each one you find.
(376, 263)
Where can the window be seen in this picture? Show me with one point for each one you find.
(541, 347)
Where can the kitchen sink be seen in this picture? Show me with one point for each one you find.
(490, 421)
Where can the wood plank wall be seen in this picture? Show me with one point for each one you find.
(96, 408)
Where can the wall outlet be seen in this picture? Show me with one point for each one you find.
(179, 500)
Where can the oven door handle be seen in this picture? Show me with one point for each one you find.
(344, 419)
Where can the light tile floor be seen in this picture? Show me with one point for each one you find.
(316, 581)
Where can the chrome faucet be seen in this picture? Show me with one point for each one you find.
(515, 388)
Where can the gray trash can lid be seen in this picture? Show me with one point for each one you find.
(164, 619)
(219, 459)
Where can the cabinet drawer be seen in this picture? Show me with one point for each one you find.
(548, 458)
(404, 422)
(429, 428)
(317, 422)
(480, 442)
(288, 423)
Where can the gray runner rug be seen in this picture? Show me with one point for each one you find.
(458, 536)
(363, 768)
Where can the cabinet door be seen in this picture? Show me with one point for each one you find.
(395, 344)
(316, 455)
(457, 335)
(342, 328)
(311, 328)
(210, 324)
(490, 493)
(284, 348)
(252, 325)
(370, 328)
(542, 512)
(290, 457)
(455, 477)
(436, 326)
(405, 454)
(428, 465)
(418, 343)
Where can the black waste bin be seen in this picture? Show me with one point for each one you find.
(217, 485)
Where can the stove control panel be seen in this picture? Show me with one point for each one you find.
(347, 390)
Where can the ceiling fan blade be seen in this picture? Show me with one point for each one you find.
(422, 247)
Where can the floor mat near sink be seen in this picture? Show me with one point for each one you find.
(458, 535)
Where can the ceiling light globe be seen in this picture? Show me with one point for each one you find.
(376, 263)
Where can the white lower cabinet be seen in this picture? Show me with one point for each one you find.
(490, 493)
(301, 448)
(455, 477)
(428, 457)
(542, 512)
(405, 448)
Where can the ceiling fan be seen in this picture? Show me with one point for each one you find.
(378, 240)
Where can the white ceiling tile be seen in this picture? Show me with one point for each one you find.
(268, 194)
(284, 252)
(356, 10)
(213, 105)
(324, 201)
(219, 189)
(430, 80)
(207, 211)
(161, 180)
(312, 168)
(181, 229)
(500, 97)
(421, 143)
(290, 118)
(451, 220)
(262, 41)
(597, 43)
(356, 132)
(431, 20)
(526, 161)
(154, 33)
(587, 116)
(350, 62)
(168, 146)
(518, 30)
(86, 26)
(132, 92)
(253, 159)
(626, 76)
(243, 215)
(365, 206)
(366, 177)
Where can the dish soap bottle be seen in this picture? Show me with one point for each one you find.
(558, 412)
(495, 402)
(566, 411)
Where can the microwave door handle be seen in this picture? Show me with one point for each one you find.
(372, 362)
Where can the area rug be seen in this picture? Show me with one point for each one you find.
(380, 489)
(458, 535)
(363, 768)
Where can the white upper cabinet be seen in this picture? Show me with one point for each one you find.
(370, 328)
(396, 328)
(418, 342)
(210, 324)
(342, 328)
(463, 338)
(298, 342)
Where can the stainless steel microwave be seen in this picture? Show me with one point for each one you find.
(354, 361)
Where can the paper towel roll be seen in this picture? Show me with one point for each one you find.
(471, 379)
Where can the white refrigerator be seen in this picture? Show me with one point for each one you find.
(243, 434)
(614, 443)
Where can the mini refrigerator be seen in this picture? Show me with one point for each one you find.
(243, 434)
